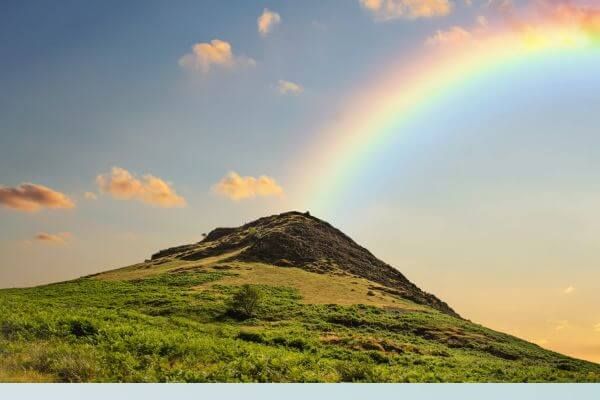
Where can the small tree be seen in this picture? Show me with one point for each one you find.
(246, 300)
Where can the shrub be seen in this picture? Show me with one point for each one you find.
(82, 328)
(351, 371)
(250, 337)
(9, 329)
(246, 301)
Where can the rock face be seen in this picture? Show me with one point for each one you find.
(295, 239)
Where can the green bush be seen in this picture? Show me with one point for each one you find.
(251, 337)
(82, 328)
(246, 301)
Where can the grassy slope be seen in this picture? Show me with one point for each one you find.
(168, 322)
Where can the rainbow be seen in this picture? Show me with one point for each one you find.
(402, 93)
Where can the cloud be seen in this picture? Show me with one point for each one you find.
(122, 185)
(537, 25)
(385, 10)
(267, 21)
(58, 238)
(236, 187)
(561, 325)
(287, 87)
(597, 327)
(587, 18)
(569, 290)
(456, 34)
(90, 196)
(29, 197)
(482, 21)
(217, 53)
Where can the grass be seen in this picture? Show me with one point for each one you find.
(174, 326)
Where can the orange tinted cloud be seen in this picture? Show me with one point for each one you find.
(385, 10)
(59, 238)
(455, 34)
(267, 20)
(29, 197)
(458, 34)
(205, 56)
(237, 187)
(587, 18)
(122, 185)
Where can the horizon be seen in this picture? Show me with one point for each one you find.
(458, 143)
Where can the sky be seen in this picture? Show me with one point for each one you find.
(457, 140)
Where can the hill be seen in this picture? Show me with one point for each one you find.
(327, 311)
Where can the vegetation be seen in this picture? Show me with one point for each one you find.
(245, 301)
(176, 326)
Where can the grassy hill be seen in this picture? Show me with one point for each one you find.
(328, 311)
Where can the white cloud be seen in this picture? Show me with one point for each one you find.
(385, 10)
(267, 21)
(287, 87)
(236, 187)
(217, 53)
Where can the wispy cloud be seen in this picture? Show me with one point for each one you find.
(455, 34)
(267, 21)
(385, 10)
(90, 196)
(236, 187)
(123, 185)
(29, 197)
(287, 87)
(597, 327)
(568, 290)
(458, 34)
(49, 238)
(561, 325)
(217, 53)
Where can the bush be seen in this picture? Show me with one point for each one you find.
(82, 328)
(356, 372)
(246, 301)
(251, 337)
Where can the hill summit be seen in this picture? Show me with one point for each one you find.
(295, 239)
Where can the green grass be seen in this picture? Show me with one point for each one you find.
(159, 329)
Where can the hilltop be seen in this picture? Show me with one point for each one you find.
(328, 310)
(295, 239)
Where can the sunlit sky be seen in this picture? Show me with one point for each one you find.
(129, 127)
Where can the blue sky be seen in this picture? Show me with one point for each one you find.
(491, 204)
